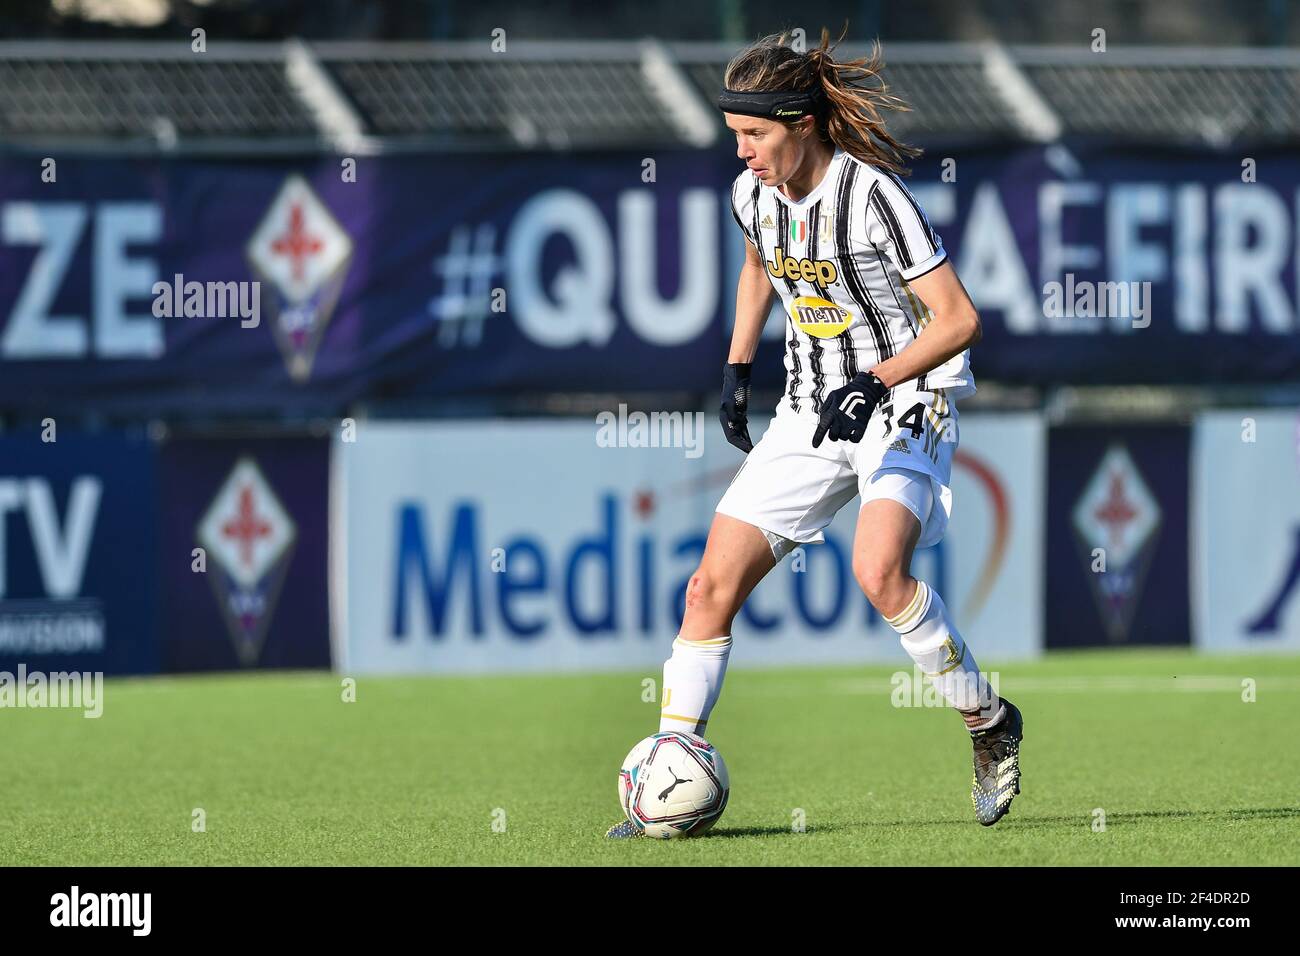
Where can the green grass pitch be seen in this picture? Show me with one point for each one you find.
(417, 770)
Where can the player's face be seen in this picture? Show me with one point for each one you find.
(772, 150)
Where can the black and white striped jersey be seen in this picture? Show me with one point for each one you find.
(840, 259)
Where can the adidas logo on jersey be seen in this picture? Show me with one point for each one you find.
(767, 223)
(899, 445)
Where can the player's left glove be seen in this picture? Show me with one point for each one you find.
(847, 410)
(734, 413)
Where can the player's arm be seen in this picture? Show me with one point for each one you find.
(753, 302)
(954, 328)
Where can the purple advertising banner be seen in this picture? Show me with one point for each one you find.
(1117, 537)
(78, 536)
(263, 287)
(243, 557)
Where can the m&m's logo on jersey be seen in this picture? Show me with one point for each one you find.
(820, 318)
(821, 271)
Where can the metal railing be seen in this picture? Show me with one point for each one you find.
(368, 97)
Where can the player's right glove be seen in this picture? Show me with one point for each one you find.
(847, 410)
(734, 413)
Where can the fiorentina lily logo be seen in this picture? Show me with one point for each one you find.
(1118, 514)
(249, 538)
(301, 255)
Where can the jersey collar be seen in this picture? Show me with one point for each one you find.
(817, 190)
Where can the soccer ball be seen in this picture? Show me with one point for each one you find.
(673, 784)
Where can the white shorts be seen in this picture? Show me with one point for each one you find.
(792, 491)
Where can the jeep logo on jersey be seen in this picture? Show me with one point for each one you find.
(301, 254)
(249, 538)
(820, 318)
(821, 271)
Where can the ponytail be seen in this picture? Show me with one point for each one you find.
(853, 94)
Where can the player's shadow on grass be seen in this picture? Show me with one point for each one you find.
(1119, 817)
(1232, 813)
(779, 831)
(1267, 813)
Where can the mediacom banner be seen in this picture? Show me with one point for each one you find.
(467, 547)
(1246, 530)
(78, 533)
(1117, 565)
(244, 553)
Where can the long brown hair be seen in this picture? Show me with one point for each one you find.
(854, 94)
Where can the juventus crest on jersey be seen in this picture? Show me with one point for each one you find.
(840, 259)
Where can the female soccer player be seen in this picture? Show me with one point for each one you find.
(877, 353)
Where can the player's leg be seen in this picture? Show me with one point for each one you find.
(887, 533)
(736, 557)
(785, 492)
(896, 505)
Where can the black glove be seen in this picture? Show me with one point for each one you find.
(735, 404)
(847, 410)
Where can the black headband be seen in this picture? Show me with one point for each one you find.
(785, 105)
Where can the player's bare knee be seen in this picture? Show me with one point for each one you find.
(701, 591)
(882, 582)
(707, 594)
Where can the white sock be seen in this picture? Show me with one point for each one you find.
(992, 721)
(933, 641)
(692, 683)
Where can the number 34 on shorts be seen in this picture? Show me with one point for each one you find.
(917, 416)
